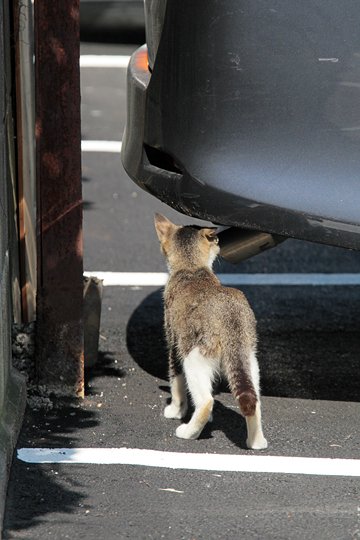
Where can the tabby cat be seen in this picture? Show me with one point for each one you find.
(210, 331)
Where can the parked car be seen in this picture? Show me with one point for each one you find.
(247, 114)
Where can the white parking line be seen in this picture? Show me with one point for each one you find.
(101, 146)
(104, 61)
(190, 461)
(158, 279)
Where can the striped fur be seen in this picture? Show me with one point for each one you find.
(210, 329)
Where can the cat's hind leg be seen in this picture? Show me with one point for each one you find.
(178, 406)
(200, 373)
(255, 437)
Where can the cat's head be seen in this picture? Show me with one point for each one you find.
(188, 246)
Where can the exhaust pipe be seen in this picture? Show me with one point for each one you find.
(239, 244)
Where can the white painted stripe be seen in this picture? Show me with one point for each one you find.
(131, 279)
(104, 61)
(101, 146)
(204, 462)
(158, 279)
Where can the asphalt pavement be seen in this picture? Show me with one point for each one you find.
(309, 346)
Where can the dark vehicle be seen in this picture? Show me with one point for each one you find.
(247, 114)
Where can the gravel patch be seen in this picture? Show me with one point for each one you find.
(23, 359)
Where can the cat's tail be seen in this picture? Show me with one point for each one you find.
(242, 372)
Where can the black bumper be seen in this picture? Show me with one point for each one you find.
(249, 130)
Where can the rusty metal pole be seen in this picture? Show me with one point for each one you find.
(60, 342)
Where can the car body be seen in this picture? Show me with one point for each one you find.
(247, 114)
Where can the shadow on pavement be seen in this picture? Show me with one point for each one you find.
(145, 336)
(117, 36)
(105, 367)
(39, 490)
(36, 490)
(304, 352)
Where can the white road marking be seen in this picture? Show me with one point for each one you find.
(101, 146)
(170, 490)
(355, 128)
(104, 61)
(190, 461)
(131, 279)
(158, 279)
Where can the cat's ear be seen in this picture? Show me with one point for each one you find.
(163, 227)
(210, 235)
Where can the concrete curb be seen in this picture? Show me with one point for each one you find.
(10, 423)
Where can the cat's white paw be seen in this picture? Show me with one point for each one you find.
(186, 431)
(173, 411)
(259, 443)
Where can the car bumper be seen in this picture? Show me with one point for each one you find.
(196, 191)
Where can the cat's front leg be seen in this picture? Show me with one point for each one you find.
(178, 406)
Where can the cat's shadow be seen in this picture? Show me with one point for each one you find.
(228, 421)
(145, 336)
(285, 372)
